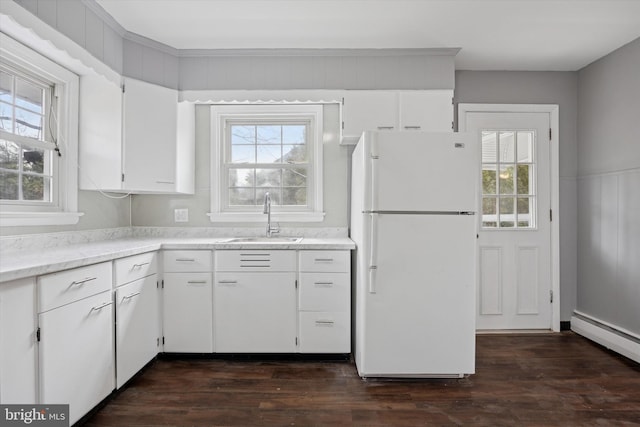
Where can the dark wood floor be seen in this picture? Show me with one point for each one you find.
(521, 380)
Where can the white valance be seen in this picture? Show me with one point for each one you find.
(302, 96)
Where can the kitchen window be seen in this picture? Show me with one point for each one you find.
(266, 148)
(38, 139)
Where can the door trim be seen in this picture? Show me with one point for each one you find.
(553, 111)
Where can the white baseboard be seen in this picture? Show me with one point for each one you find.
(603, 335)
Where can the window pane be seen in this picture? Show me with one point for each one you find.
(507, 215)
(525, 179)
(33, 161)
(507, 147)
(5, 87)
(269, 134)
(294, 153)
(28, 124)
(489, 212)
(294, 196)
(35, 188)
(293, 134)
(241, 197)
(489, 179)
(241, 177)
(525, 211)
(9, 154)
(269, 153)
(268, 177)
(525, 147)
(8, 186)
(489, 147)
(6, 117)
(506, 180)
(29, 96)
(243, 153)
(296, 177)
(243, 134)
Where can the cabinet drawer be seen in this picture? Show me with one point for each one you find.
(135, 267)
(325, 291)
(187, 261)
(329, 261)
(255, 260)
(325, 332)
(57, 289)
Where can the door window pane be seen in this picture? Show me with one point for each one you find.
(508, 177)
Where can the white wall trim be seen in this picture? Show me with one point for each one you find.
(554, 120)
(605, 334)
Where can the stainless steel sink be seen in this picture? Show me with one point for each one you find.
(264, 240)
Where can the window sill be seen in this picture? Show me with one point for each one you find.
(260, 217)
(17, 219)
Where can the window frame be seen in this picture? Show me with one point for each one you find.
(63, 208)
(221, 118)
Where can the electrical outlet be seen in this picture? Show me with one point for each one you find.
(181, 215)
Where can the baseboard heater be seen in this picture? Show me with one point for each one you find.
(606, 334)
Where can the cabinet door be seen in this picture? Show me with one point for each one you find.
(100, 133)
(368, 110)
(136, 327)
(426, 110)
(187, 316)
(150, 132)
(255, 313)
(17, 342)
(76, 354)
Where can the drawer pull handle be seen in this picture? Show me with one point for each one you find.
(324, 284)
(165, 182)
(324, 322)
(196, 282)
(255, 255)
(227, 282)
(385, 127)
(126, 297)
(413, 127)
(185, 259)
(99, 307)
(81, 282)
(324, 260)
(139, 265)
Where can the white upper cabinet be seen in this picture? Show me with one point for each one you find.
(156, 139)
(139, 141)
(418, 110)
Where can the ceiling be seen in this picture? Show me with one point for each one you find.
(558, 35)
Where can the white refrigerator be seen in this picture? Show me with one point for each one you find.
(413, 203)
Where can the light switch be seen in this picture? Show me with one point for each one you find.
(181, 215)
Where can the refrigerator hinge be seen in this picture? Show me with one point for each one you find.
(38, 334)
(551, 296)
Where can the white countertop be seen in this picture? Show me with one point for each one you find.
(21, 264)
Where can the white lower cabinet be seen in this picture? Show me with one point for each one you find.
(136, 326)
(76, 354)
(188, 316)
(18, 342)
(255, 312)
(324, 302)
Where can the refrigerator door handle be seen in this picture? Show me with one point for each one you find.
(373, 253)
(374, 175)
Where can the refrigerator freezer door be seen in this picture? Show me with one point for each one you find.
(421, 171)
(417, 318)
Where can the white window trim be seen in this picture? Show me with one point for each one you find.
(219, 115)
(66, 83)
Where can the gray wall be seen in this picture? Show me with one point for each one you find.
(518, 87)
(609, 188)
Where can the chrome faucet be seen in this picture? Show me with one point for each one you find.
(267, 210)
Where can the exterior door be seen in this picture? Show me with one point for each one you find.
(514, 240)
